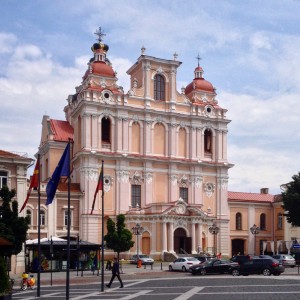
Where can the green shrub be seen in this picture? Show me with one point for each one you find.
(4, 279)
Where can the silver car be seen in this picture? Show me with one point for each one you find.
(146, 260)
(183, 264)
(286, 260)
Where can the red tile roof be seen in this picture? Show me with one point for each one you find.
(61, 130)
(251, 197)
(12, 155)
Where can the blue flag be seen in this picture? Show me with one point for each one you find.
(62, 169)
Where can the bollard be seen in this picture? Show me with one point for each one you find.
(152, 267)
(161, 265)
(144, 266)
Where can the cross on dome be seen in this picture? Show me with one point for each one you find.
(100, 34)
(198, 58)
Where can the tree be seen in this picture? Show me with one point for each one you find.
(291, 201)
(12, 227)
(118, 237)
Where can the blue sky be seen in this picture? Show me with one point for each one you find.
(249, 51)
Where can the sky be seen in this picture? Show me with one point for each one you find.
(249, 51)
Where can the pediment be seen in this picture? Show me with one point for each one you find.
(180, 207)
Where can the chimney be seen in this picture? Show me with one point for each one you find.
(264, 191)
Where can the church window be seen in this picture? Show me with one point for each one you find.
(105, 129)
(208, 141)
(238, 221)
(135, 196)
(159, 87)
(183, 191)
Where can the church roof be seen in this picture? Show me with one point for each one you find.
(250, 197)
(61, 130)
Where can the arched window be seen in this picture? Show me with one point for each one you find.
(43, 218)
(238, 221)
(159, 87)
(263, 222)
(105, 129)
(208, 141)
(280, 221)
(28, 216)
(136, 195)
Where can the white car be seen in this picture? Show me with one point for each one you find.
(183, 263)
(146, 260)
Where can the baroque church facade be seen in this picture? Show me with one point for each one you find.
(165, 166)
(164, 153)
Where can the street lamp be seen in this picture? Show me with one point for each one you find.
(254, 230)
(214, 229)
(137, 230)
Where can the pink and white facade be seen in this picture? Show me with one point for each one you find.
(164, 152)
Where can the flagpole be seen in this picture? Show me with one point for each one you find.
(102, 241)
(38, 293)
(69, 226)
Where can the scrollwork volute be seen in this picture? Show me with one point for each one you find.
(184, 181)
(136, 178)
(209, 188)
(123, 176)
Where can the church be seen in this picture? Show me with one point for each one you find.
(165, 164)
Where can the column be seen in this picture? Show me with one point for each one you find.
(199, 237)
(193, 231)
(164, 237)
(171, 237)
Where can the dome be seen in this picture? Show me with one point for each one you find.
(199, 84)
(102, 69)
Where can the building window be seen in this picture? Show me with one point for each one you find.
(159, 87)
(238, 221)
(184, 192)
(263, 222)
(66, 218)
(279, 221)
(3, 179)
(105, 130)
(207, 141)
(42, 218)
(135, 195)
(28, 216)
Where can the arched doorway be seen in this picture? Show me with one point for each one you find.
(182, 243)
(237, 247)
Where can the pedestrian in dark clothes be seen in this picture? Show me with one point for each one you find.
(115, 273)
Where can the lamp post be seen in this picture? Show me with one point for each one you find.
(137, 230)
(214, 229)
(254, 230)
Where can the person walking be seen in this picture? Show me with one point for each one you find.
(115, 273)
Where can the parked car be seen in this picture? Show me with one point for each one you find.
(265, 266)
(216, 266)
(240, 258)
(204, 258)
(146, 260)
(286, 259)
(183, 264)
